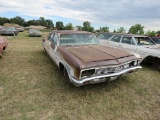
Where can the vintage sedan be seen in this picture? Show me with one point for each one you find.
(3, 44)
(20, 28)
(34, 33)
(84, 61)
(143, 45)
(9, 31)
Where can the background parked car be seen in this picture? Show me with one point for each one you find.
(3, 44)
(20, 29)
(143, 45)
(84, 61)
(1, 27)
(34, 33)
(9, 31)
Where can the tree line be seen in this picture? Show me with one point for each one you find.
(135, 29)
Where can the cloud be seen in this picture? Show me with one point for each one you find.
(109, 13)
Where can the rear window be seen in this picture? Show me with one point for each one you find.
(156, 40)
(144, 41)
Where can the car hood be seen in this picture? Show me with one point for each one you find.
(95, 53)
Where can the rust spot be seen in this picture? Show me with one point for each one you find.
(88, 54)
(69, 58)
(116, 52)
(52, 46)
(3, 44)
(125, 59)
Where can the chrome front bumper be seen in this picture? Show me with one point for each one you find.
(101, 78)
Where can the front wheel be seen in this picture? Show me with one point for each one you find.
(157, 66)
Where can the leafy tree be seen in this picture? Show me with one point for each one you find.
(32, 22)
(87, 26)
(69, 26)
(151, 33)
(17, 20)
(20, 21)
(79, 27)
(49, 23)
(121, 30)
(114, 31)
(59, 25)
(4, 20)
(104, 29)
(158, 32)
(42, 21)
(137, 29)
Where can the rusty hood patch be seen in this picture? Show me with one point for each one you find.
(116, 52)
(95, 53)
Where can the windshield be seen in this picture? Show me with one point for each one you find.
(144, 41)
(77, 39)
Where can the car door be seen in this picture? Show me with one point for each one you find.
(143, 46)
(48, 42)
(53, 44)
(128, 43)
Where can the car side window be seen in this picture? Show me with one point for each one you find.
(127, 40)
(107, 37)
(55, 39)
(104, 36)
(101, 36)
(51, 37)
(144, 41)
(116, 38)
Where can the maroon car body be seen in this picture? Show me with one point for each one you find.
(3, 44)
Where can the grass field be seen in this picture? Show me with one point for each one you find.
(33, 88)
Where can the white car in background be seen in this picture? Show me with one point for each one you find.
(143, 45)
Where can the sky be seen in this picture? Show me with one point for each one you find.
(111, 13)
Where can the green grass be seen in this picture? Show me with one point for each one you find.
(33, 88)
